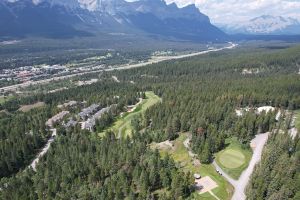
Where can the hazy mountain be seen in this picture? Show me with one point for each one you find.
(266, 25)
(56, 18)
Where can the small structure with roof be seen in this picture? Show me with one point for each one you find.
(197, 176)
(86, 112)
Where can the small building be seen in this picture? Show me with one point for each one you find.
(88, 111)
(88, 125)
(197, 176)
(70, 123)
(91, 122)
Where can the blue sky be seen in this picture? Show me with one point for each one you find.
(237, 11)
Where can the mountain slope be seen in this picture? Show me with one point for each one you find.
(68, 18)
(24, 18)
(265, 25)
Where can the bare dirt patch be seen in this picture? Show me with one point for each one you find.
(166, 145)
(205, 184)
(26, 108)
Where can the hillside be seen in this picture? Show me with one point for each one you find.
(63, 19)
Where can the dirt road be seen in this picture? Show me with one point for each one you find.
(44, 150)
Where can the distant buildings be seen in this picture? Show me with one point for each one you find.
(90, 82)
(91, 122)
(70, 123)
(29, 73)
(88, 116)
(88, 111)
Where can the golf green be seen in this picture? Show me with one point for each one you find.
(231, 158)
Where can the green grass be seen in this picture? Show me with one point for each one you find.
(234, 159)
(123, 124)
(231, 158)
(181, 156)
(3, 99)
(297, 122)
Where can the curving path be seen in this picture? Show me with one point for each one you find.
(44, 150)
(240, 185)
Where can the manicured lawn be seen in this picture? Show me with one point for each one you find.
(231, 158)
(234, 159)
(123, 124)
(181, 156)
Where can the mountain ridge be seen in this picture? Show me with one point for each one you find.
(266, 25)
(85, 17)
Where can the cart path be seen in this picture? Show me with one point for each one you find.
(44, 150)
(241, 184)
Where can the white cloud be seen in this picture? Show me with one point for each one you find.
(238, 11)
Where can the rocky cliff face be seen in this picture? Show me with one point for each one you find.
(86, 17)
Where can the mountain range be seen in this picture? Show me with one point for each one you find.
(69, 18)
(266, 25)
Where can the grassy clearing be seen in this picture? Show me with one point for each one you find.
(5, 98)
(234, 159)
(26, 108)
(180, 154)
(231, 158)
(123, 124)
(2, 100)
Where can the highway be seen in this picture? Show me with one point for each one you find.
(123, 67)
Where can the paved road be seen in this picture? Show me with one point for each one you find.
(157, 60)
(44, 150)
(240, 185)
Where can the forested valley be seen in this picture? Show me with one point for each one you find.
(199, 95)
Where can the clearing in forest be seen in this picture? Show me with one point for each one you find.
(3, 99)
(27, 108)
(233, 159)
(219, 189)
(122, 126)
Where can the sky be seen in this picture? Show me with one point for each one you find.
(236, 11)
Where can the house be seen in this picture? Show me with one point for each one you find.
(70, 123)
(86, 112)
(88, 125)
(91, 122)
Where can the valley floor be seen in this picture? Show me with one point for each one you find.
(123, 67)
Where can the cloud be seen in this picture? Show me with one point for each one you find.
(238, 11)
